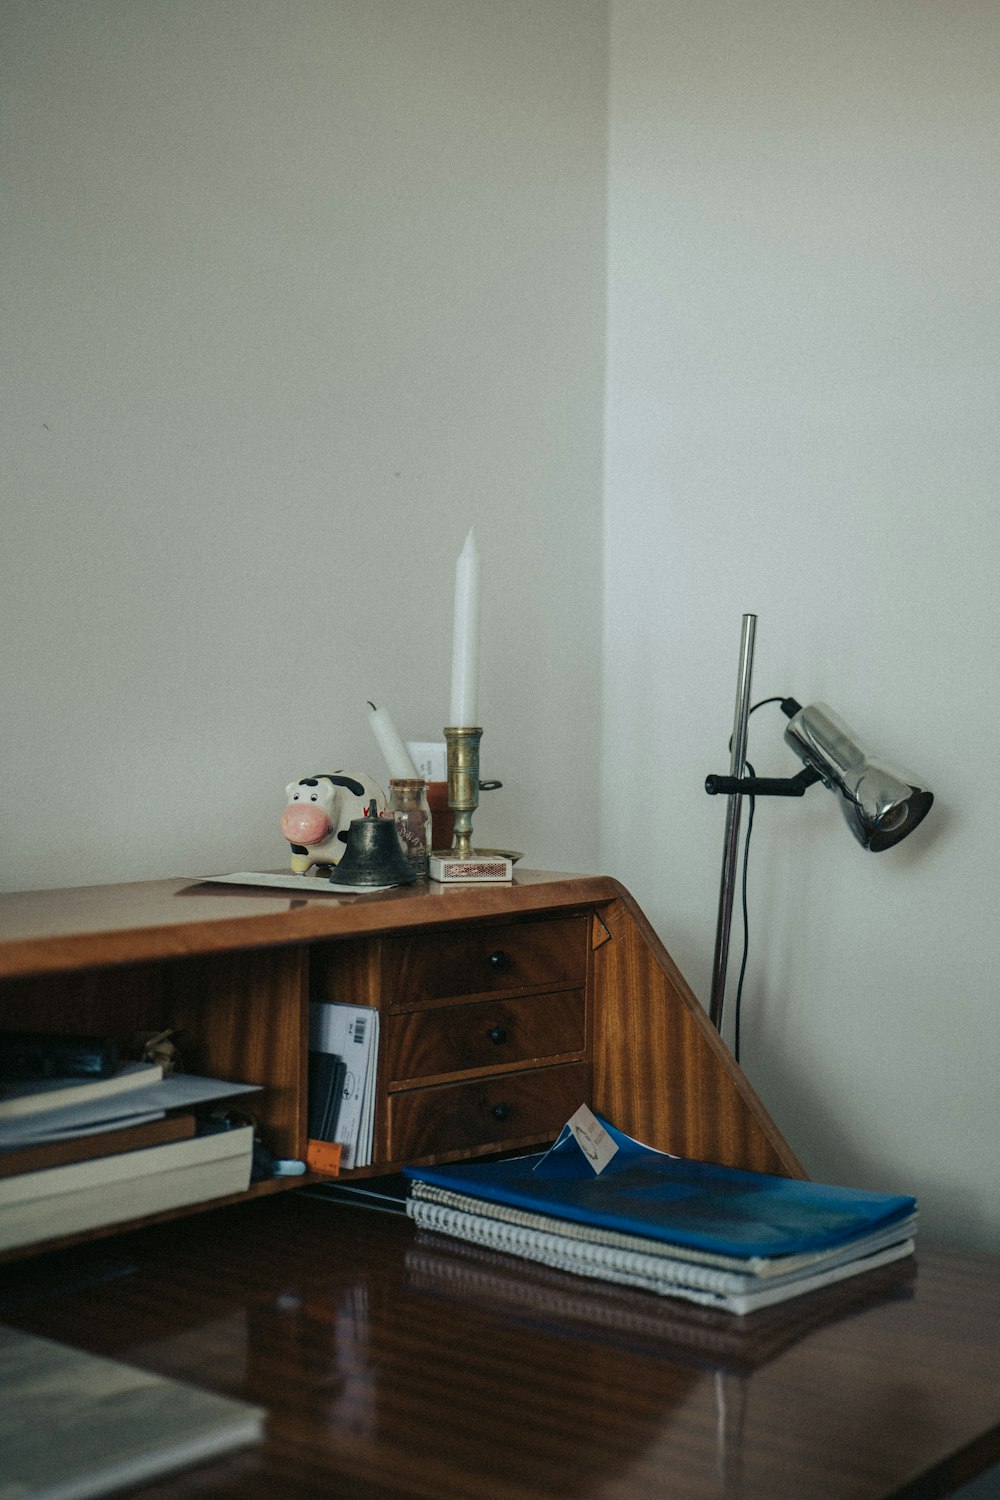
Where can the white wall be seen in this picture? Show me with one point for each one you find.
(294, 294)
(802, 424)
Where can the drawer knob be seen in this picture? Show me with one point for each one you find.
(500, 1112)
(499, 960)
(497, 1036)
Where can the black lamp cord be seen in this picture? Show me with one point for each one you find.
(746, 770)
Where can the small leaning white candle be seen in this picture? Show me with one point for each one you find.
(397, 757)
(465, 640)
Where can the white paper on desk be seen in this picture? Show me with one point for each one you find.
(176, 1091)
(350, 1032)
(279, 880)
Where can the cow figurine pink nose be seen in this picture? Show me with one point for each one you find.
(319, 813)
(305, 823)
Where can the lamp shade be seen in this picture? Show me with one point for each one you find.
(880, 805)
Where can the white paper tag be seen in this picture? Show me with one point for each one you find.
(430, 758)
(592, 1138)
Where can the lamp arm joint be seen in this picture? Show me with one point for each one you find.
(763, 786)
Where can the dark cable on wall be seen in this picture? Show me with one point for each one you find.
(747, 770)
(737, 1004)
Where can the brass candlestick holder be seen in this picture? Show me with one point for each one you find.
(463, 785)
(463, 864)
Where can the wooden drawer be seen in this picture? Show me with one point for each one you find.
(489, 1034)
(532, 1105)
(481, 960)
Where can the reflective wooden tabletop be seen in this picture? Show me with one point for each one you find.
(398, 1364)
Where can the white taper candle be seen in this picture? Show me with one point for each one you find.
(397, 757)
(465, 640)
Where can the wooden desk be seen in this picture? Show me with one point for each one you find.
(394, 1365)
(503, 1008)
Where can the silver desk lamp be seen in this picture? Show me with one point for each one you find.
(880, 805)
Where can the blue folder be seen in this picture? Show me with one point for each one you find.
(723, 1210)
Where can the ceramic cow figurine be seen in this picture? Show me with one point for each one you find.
(319, 813)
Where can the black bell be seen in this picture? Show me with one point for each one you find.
(374, 856)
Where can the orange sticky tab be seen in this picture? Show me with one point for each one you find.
(324, 1156)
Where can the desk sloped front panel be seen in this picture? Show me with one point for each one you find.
(661, 1071)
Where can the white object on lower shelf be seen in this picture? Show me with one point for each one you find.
(151, 1102)
(105, 1190)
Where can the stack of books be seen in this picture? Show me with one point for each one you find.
(718, 1236)
(80, 1153)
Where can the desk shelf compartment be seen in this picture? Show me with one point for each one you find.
(238, 1016)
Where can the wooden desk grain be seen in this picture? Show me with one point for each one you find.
(396, 1365)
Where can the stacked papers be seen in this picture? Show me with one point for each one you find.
(148, 1099)
(350, 1033)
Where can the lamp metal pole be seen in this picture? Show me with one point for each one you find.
(731, 846)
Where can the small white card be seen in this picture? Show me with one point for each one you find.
(430, 758)
(592, 1138)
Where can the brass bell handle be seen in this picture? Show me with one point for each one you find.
(500, 1112)
(499, 960)
(497, 1036)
